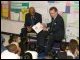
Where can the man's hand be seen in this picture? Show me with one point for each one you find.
(29, 28)
(44, 25)
(45, 29)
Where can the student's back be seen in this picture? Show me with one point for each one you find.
(62, 55)
(2, 46)
(9, 55)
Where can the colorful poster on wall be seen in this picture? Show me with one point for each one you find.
(5, 9)
(23, 12)
(20, 8)
(75, 7)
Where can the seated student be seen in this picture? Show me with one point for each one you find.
(2, 46)
(27, 56)
(69, 57)
(62, 53)
(13, 38)
(11, 53)
(77, 52)
(30, 55)
(48, 57)
(72, 48)
(18, 47)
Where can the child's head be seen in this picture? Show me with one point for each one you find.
(63, 46)
(73, 45)
(13, 38)
(12, 48)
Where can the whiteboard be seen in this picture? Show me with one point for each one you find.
(11, 26)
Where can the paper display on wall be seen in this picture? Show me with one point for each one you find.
(38, 4)
(59, 5)
(5, 9)
(19, 8)
(71, 33)
(72, 18)
(74, 7)
(14, 16)
(23, 12)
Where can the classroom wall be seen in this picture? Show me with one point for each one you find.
(69, 10)
(11, 26)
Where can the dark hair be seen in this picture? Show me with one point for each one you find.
(53, 8)
(73, 45)
(12, 37)
(63, 46)
(2, 39)
(27, 56)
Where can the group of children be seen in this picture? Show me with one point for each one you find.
(13, 50)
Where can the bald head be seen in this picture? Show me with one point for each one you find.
(32, 10)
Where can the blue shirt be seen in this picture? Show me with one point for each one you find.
(2, 46)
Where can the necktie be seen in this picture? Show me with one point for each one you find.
(32, 19)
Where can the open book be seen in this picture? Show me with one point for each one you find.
(38, 27)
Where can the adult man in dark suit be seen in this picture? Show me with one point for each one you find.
(31, 19)
(56, 29)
